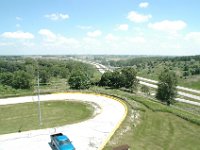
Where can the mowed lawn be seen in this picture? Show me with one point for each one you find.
(156, 131)
(165, 131)
(23, 117)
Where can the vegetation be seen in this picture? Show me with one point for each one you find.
(145, 89)
(156, 130)
(19, 75)
(166, 91)
(23, 117)
(152, 125)
(153, 105)
(186, 68)
(125, 77)
(79, 80)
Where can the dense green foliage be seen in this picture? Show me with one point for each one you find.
(79, 80)
(22, 80)
(166, 91)
(125, 77)
(17, 80)
(23, 72)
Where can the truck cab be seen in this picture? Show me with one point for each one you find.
(61, 142)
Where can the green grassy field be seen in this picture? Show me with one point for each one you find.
(24, 117)
(158, 127)
(158, 131)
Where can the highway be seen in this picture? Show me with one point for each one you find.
(153, 84)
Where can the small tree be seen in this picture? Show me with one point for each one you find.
(166, 91)
(145, 89)
(129, 78)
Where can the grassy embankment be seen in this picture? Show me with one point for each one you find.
(158, 126)
(191, 81)
(23, 117)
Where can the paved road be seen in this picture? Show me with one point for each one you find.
(177, 99)
(87, 135)
(152, 83)
(178, 87)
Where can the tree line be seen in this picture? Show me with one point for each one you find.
(22, 73)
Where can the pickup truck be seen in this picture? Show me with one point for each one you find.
(61, 142)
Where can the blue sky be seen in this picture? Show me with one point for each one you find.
(136, 27)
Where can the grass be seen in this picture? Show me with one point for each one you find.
(56, 85)
(158, 127)
(188, 98)
(192, 81)
(158, 131)
(7, 91)
(23, 117)
(187, 107)
(151, 104)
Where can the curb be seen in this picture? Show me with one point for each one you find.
(119, 123)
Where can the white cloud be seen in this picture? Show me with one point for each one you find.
(18, 35)
(144, 5)
(57, 16)
(168, 26)
(84, 27)
(18, 25)
(6, 44)
(50, 36)
(56, 39)
(193, 36)
(123, 27)
(95, 33)
(136, 39)
(138, 18)
(18, 18)
(111, 37)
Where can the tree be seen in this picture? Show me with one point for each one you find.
(106, 79)
(145, 89)
(166, 91)
(117, 79)
(22, 80)
(44, 76)
(125, 77)
(79, 80)
(6, 78)
(130, 81)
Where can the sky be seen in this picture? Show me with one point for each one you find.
(116, 27)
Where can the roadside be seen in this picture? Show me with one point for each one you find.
(152, 84)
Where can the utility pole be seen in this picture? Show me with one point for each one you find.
(38, 95)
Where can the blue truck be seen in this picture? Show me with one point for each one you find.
(61, 142)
